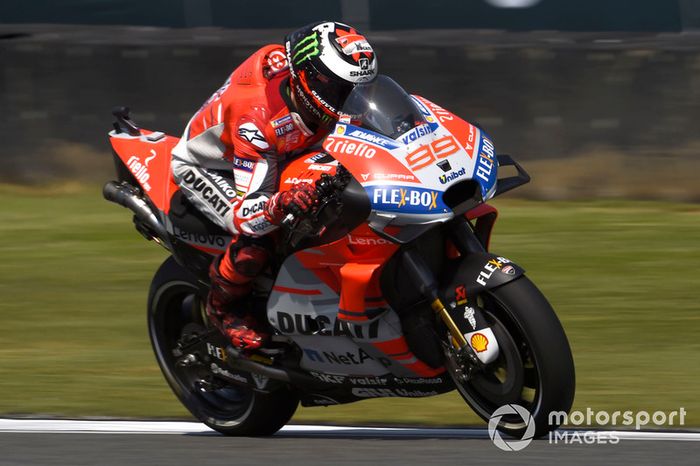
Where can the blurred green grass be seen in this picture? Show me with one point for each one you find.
(622, 275)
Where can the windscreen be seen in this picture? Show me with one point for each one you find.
(384, 107)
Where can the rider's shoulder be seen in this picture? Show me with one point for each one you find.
(262, 66)
(249, 132)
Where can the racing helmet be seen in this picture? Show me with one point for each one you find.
(326, 60)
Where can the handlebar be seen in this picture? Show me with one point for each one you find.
(328, 188)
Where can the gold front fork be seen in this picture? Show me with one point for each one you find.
(457, 338)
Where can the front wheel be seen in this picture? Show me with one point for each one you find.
(534, 369)
(174, 303)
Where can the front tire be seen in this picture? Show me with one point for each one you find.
(174, 302)
(535, 368)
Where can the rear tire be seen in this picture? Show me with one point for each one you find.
(174, 301)
(535, 368)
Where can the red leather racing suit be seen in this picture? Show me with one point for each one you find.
(246, 126)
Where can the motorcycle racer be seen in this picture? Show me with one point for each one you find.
(278, 102)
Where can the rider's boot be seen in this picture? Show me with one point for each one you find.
(231, 283)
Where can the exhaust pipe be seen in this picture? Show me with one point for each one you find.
(126, 196)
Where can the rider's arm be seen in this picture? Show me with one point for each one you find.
(260, 174)
(262, 209)
(255, 167)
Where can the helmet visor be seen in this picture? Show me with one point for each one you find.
(331, 92)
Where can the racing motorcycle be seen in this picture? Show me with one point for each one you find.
(387, 289)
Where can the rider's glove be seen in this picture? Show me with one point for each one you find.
(297, 201)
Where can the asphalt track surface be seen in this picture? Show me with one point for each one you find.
(36, 442)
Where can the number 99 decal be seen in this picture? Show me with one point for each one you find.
(426, 155)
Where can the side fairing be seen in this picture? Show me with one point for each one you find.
(305, 305)
(304, 308)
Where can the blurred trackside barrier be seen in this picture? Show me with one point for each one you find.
(597, 114)
(563, 15)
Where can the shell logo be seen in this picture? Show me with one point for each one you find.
(479, 342)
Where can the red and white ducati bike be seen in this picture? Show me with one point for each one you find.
(386, 290)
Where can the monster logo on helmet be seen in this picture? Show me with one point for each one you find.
(326, 60)
(306, 48)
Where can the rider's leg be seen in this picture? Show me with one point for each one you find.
(231, 277)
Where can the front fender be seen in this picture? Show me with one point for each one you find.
(476, 272)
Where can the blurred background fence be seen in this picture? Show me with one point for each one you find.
(598, 97)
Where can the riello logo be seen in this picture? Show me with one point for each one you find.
(346, 146)
(140, 170)
(449, 177)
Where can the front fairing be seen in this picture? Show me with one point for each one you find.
(406, 169)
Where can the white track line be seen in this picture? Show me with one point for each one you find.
(182, 428)
(101, 427)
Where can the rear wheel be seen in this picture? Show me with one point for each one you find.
(535, 367)
(174, 308)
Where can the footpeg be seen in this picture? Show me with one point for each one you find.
(188, 360)
(204, 385)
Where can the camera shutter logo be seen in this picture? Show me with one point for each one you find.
(511, 445)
